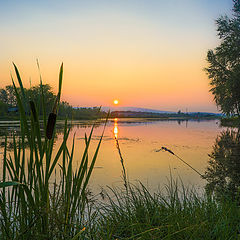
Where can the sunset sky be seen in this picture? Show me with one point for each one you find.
(145, 53)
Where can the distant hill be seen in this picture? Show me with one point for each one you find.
(134, 109)
(147, 110)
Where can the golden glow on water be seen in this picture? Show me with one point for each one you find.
(139, 141)
(115, 129)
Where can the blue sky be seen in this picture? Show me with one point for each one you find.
(146, 53)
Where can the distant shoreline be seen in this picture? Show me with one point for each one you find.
(133, 114)
(168, 116)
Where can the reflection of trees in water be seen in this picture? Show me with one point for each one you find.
(223, 172)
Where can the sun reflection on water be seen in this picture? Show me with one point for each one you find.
(115, 129)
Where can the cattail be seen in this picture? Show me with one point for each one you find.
(168, 150)
(50, 125)
(52, 119)
(33, 110)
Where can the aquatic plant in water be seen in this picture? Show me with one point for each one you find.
(33, 204)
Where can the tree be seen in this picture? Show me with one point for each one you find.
(3, 96)
(8, 99)
(224, 63)
(34, 94)
(3, 108)
(65, 110)
(7, 96)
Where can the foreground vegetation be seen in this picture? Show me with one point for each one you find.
(33, 203)
(179, 213)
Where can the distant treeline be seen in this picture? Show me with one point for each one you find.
(178, 115)
(9, 109)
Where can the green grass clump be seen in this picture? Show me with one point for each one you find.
(179, 214)
(33, 203)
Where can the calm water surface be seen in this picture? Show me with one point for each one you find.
(139, 139)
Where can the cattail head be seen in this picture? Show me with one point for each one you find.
(50, 125)
(52, 119)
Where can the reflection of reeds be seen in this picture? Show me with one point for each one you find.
(122, 163)
(115, 132)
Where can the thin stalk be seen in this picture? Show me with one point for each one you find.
(171, 152)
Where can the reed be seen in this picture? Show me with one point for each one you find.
(34, 204)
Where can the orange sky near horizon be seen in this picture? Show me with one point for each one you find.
(137, 84)
(146, 55)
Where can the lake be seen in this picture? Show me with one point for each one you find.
(139, 140)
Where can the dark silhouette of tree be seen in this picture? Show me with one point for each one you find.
(223, 172)
(3, 96)
(224, 63)
(3, 108)
(8, 99)
(7, 96)
(35, 94)
(65, 110)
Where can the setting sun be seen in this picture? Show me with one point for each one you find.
(115, 102)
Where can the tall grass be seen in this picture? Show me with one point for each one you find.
(176, 213)
(31, 206)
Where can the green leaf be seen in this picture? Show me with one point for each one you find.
(9, 184)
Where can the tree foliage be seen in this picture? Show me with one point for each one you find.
(8, 100)
(34, 93)
(3, 109)
(7, 96)
(224, 63)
